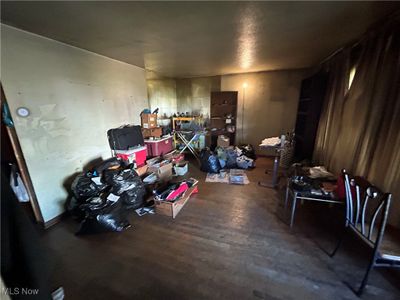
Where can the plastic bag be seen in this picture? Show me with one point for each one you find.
(102, 215)
(134, 198)
(122, 180)
(18, 186)
(209, 162)
(248, 150)
(83, 187)
(244, 162)
(108, 163)
(127, 184)
(231, 157)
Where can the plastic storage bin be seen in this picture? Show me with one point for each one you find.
(138, 155)
(159, 147)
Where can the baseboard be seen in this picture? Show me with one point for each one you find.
(53, 221)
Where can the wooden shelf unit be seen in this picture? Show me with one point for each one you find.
(223, 104)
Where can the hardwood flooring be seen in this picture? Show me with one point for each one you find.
(228, 242)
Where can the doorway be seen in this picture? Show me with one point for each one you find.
(12, 159)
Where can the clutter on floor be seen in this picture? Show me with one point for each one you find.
(234, 176)
(104, 195)
(136, 179)
(170, 198)
(242, 157)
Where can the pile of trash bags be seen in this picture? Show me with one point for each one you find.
(103, 196)
(233, 157)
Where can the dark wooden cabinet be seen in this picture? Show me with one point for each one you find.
(223, 113)
(312, 95)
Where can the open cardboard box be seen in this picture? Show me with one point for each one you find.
(164, 172)
(172, 209)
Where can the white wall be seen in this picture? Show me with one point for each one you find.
(270, 103)
(162, 95)
(74, 97)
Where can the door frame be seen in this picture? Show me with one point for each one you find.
(22, 165)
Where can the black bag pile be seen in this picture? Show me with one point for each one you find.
(239, 157)
(104, 196)
(209, 161)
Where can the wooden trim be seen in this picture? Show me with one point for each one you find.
(54, 221)
(22, 166)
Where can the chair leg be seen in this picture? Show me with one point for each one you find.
(293, 210)
(339, 243)
(365, 279)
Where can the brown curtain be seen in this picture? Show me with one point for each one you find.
(359, 127)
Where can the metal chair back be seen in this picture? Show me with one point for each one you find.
(367, 209)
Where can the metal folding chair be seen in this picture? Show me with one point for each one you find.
(367, 209)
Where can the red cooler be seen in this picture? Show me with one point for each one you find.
(138, 155)
(159, 147)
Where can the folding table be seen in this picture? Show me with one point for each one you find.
(305, 195)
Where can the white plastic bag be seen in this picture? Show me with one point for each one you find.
(18, 186)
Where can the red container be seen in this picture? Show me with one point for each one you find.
(138, 155)
(159, 147)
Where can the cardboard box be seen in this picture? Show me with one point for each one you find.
(164, 172)
(172, 209)
(142, 170)
(149, 120)
(223, 141)
(152, 132)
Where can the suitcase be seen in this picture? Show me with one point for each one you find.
(125, 137)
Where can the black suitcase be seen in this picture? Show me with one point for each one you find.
(125, 138)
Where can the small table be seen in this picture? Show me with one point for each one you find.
(305, 195)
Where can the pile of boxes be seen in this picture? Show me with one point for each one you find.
(149, 126)
(156, 144)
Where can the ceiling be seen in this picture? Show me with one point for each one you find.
(187, 39)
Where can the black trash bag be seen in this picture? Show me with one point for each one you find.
(109, 163)
(122, 180)
(248, 150)
(73, 207)
(134, 198)
(231, 157)
(83, 188)
(102, 215)
(209, 162)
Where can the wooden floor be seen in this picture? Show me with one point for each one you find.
(228, 242)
